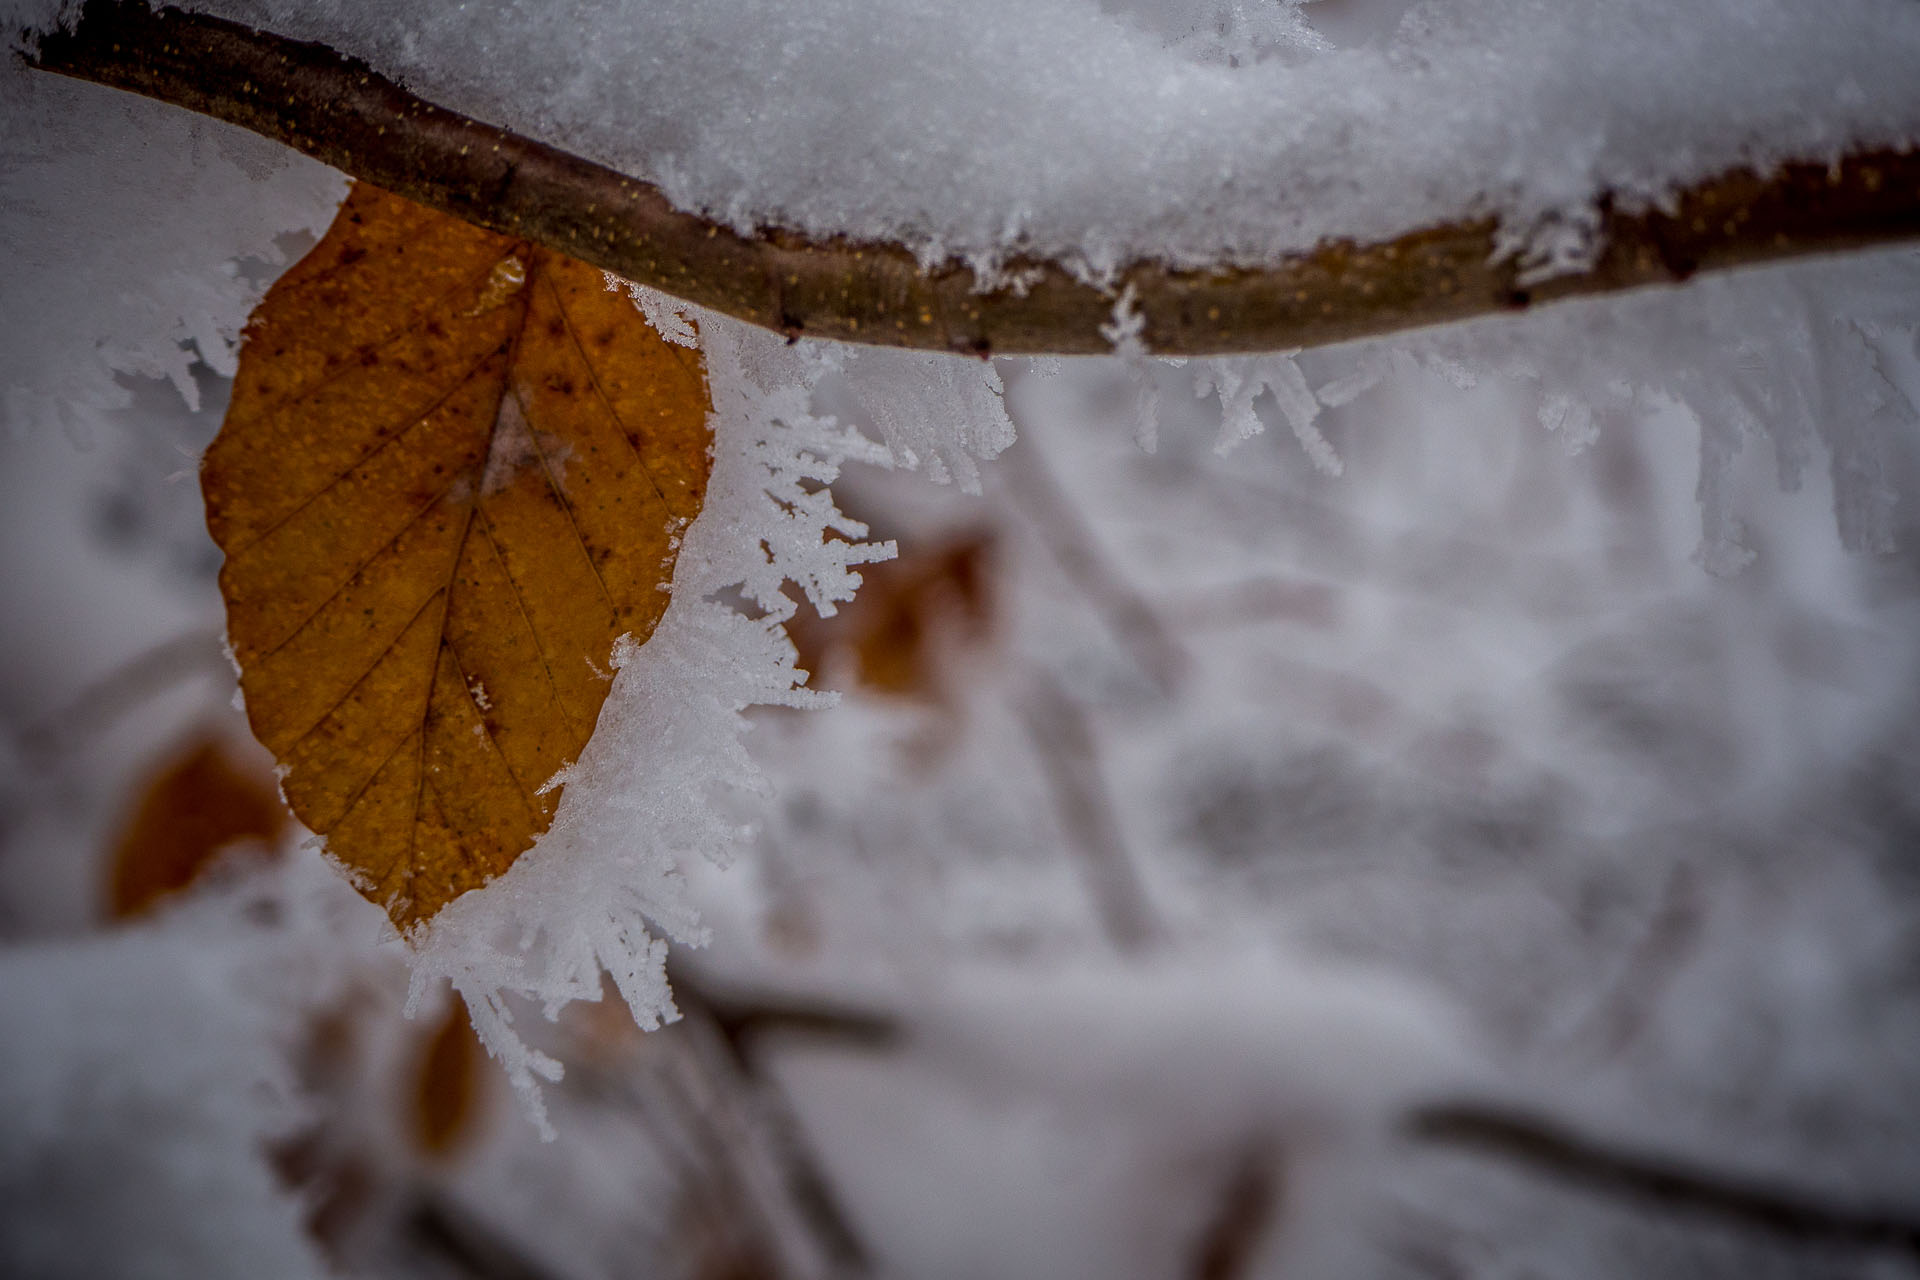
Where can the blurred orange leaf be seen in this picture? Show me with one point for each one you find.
(454, 470)
(200, 803)
(447, 1083)
(913, 613)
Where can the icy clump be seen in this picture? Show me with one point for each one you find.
(1183, 1058)
(127, 226)
(934, 413)
(1238, 382)
(1231, 1040)
(668, 316)
(144, 1070)
(1189, 131)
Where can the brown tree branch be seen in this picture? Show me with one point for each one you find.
(338, 110)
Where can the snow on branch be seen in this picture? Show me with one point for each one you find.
(338, 110)
(1530, 1142)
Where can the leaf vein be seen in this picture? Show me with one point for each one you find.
(526, 616)
(360, 792)
(593, 376)
(361, 568)
(362, 678)
(419, 419)
(426, 700)
(432, 306)
(486, 732)
(566, 505)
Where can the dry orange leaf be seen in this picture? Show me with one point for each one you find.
(454, 470)
(202, 802)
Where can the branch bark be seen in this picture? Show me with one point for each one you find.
(340, 111)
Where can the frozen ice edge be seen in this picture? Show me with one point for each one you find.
(600, 894)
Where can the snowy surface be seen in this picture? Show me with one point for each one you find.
(1185, 130)
(143, 1073)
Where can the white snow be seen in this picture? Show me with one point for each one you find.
(143, 1074)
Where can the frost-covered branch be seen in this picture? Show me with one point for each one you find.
(1529, 1141)
(1064, 746)
(340, 111)
(801, 1195)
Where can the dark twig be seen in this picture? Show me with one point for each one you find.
(338, 110)
(1129, 616)
(1614, 1023)
(749, 1184)
(804, 1190)
(1546, 1147)
(460, 1239)
(744, 1018)
(1064, 743)
(1243, 1216)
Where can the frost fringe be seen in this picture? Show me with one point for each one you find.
(590, 897)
